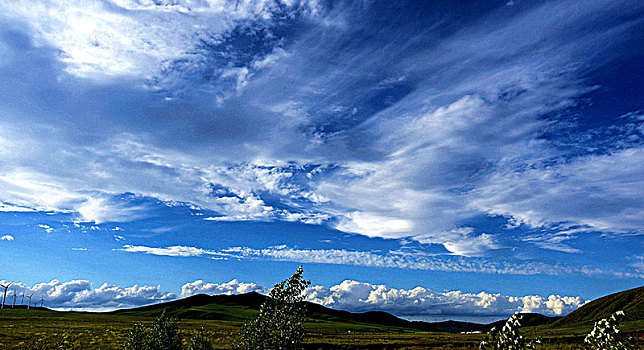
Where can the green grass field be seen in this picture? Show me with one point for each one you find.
(22, 329)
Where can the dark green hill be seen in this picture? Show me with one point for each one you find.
(240, 307)
(528, 319)
(630, 301)
(244, 307)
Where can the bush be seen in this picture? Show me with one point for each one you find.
(508, 337)
(199, 342)
(603, 336)
(280, 323)
(137, 339)
(164, 335)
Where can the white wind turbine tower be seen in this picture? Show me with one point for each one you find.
(15, 295)
(29, 297)
(42, 299)
(23, 298)
(5, 292)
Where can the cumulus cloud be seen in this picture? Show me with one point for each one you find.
(232, 287)
(6, 238)
(349, 295)
(421, 302)
(418, 302)
(79, 294)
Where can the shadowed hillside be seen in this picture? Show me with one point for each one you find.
(244, 307)
(630, 301)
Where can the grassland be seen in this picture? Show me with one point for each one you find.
(22, 329)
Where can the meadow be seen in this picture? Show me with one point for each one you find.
(44, 329)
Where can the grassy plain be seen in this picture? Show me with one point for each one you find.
(42, 329)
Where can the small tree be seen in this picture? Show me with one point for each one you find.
(164, 335)
(199, 342)
(603, 336)
(137, 339)
(280, 322)
(508, 337)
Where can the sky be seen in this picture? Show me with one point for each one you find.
(436, 160)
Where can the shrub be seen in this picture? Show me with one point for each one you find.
(280, 322)
(164, 335)
(508, 337)
(603, 336)
(199, 342)
(137, 339)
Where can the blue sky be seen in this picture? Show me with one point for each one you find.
(461, 147)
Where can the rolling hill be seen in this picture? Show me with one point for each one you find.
(630, 301)
(244, 307)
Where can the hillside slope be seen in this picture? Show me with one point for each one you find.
(244, 307)
(630, 301)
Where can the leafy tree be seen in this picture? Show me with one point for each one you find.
(603, 336)
(137, 339)
(508, 337)
(164, 335)
(199, 342)
(280, 322)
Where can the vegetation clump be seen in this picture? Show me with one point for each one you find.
(164, 335)
(280, 322)
(508, 337)
(603, 336)
(199, 341)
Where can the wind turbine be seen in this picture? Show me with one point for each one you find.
(15, 295)
(42, 299)
(5, 292)
(23, 298)
(28, 305)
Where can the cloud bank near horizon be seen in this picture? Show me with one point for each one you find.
(349, 295)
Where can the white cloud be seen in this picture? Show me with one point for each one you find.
(638, 264)
(421, 302)
(464, 142)
(169, 251)
(131, 38)
(47, 228)
(418, 302)
(373, 225)
(6, 238)
(100, 210)
(349, 295)
(79, 294)
(4, 207)
(32, 191)
(271, 59)
(394, 259)
(461, 241)
(390, 259)
(232, 287)
(600, 192)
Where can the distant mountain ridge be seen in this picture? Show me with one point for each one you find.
(242, 307)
